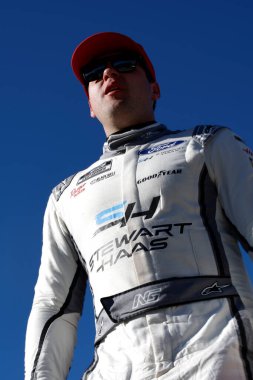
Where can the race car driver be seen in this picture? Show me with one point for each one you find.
(154, 227)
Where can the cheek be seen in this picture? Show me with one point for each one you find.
(144, 93)
(92, 102)
(143, 87)
(93, 98)
(90, 93)
(93, 91)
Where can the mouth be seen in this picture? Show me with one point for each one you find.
(111, 89)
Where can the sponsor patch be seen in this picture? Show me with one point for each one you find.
(125, 245)
(143, 159)
(78, 190)
(161, 147)
(118, 214)
(159, 174)
(102, 177)
(104, 167)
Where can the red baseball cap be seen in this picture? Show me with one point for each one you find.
(104, 43)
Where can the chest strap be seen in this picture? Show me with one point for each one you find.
(158, 294)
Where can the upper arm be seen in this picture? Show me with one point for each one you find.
(229, 162)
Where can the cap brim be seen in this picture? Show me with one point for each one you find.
(105, 43)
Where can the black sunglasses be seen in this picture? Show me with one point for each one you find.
(95, 72)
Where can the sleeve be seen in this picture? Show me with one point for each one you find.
(230, 165)
(57, 304)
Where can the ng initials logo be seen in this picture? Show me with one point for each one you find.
(150, 296)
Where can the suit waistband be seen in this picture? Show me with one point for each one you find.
(158, 294)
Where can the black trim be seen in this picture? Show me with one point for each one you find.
(202, 133)
(81, 258)
(164, 280)
(238, 138)
(207, 203)
(119, 307)
(54, 317)
(242, 337)
(59, 189)
(246, 246)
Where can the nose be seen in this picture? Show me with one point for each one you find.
(109, 72)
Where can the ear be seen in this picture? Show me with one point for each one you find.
(155, 91)
(92, 114)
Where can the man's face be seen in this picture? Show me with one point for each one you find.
(122, 98)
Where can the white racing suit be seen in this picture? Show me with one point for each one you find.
(154, 225)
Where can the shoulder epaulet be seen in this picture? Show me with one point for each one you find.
(59, 189)
(202, 133)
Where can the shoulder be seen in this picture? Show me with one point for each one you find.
(80, 177)
(61, 187)
(204, 133)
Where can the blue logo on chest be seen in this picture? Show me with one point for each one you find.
(159, 148)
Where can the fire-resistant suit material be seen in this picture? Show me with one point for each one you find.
(154, 226)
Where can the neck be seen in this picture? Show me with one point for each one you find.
(134, 126)
(133, 135)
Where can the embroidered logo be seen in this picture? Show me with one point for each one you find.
(104, 167)
(214, 288)
(150, 296)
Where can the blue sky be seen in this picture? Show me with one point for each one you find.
(202, 52)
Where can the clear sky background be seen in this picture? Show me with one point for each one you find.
(203, 54)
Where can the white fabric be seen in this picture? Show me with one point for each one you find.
(85, 221)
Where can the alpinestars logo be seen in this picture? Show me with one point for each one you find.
(214, 288)
(117, 215)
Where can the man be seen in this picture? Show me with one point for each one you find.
(154, 226)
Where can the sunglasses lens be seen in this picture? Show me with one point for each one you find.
(124, 65)
(93, 74)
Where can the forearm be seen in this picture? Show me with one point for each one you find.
(50, 343)
(58, 302)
